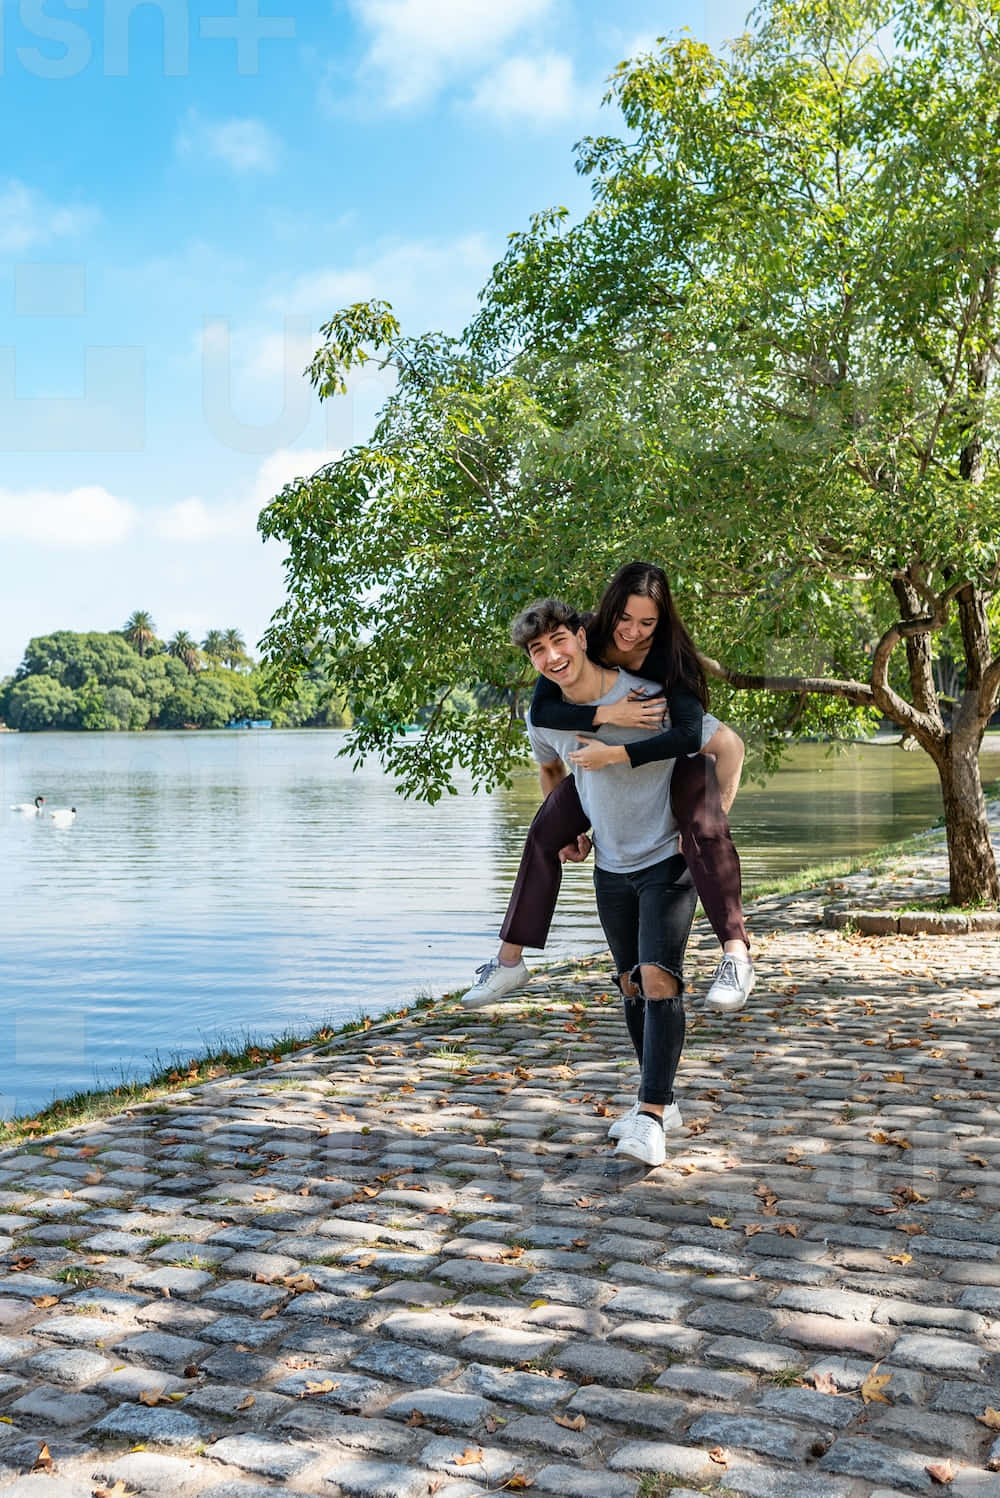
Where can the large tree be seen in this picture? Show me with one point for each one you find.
(767, 357)
(140, 631)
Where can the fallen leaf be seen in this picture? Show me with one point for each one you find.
(191, 1370)
(44, 1301)
(268, 1314)
(43, 1461)
(909, 1196)
(472, 1455)
(326, 1386)
(941, 1472)
(719, 1455)
(990, 1418)
(825, 1383)
(788, 1229)
(978, 1160)
(871, 1388)
(519, 1481)
(21, 1264)
(581, 1201)
(900, 1259)
(751, 1229)
(151, 1397)
(577, 1423)
(911, 1229)
(88, 1151)
(416, 1418)
(93, 1178)
(118, 1491)
(299, 1283)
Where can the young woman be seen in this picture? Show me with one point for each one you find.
(637, 627)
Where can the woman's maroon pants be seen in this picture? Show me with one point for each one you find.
(707, 846)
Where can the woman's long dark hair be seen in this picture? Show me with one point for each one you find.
(670, 639)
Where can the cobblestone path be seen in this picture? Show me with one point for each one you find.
(408, 1264)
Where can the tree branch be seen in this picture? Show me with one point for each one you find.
(989, 689)
(857, 692)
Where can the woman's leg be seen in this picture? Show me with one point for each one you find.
(709, 849)
(559, 820)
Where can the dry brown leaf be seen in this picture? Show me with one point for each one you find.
(43, 1461)
(471, 1456)
(788, 1229)
(871, 1388)
(583, 1201)
(416, 1418)
(44, 1301)
(718, 1222)
(519, 1482)
(151, 1397)
(751, 1229)
(245, 1404)
(575, 1423)
(93, 1178)
(51, 1151)
(990, 1418)
(894, 1076)
(978, 1160)
(88, 1151)
(909, 1196)
(941, 1472)
(299, 1283)
(268, 1314)
(825, 1383)
(911, 1229)
(719, 1455)
(191, 1370)
(900, 1259)
(118, 1491)
(312, 1388)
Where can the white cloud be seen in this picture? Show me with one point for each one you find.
(195, 520)
(416, 45)
(243, 145)
(436, 275)
(536, 88)
(29, 219)
(88, 517)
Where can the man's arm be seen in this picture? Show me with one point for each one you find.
(550, 775)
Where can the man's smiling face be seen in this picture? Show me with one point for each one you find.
(561, 656)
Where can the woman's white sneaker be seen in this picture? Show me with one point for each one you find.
(643, 1140)
(495, 981)
(731, 984)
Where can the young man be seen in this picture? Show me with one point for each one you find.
(645, 895)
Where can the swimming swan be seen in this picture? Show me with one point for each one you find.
(30, 808)
(64, 816)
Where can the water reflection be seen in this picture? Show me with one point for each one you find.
(217, 883)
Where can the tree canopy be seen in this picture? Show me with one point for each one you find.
(766, 358)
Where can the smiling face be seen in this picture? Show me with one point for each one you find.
(561, 655)
(633, 633)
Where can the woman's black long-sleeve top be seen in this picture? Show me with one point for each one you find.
(549, 709)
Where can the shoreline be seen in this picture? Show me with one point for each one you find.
(64, 1115)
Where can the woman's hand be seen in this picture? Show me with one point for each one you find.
(634, 711)
(593, 755)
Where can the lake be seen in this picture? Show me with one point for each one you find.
(215, 884)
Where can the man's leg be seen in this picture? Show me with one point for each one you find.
(667, 898)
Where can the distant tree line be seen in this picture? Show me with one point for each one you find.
(131, 679)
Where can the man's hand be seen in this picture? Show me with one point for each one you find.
(593, 755)
(576, 852)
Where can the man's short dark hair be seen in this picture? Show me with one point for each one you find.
(541, 618)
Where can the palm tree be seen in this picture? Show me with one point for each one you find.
(214, 645)
(234, 649)
(185, 649)
(140, 631)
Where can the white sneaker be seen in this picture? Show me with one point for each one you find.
(494, 981)
(731, 984)
(643, 1140)
(671, 1120)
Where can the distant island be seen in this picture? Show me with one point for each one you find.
(129, 680)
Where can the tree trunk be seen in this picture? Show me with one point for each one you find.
(972, 866)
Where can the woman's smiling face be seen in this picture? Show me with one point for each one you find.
(636, 624)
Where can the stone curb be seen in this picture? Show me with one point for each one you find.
(910, 922)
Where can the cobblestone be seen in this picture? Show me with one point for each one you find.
(458, 1285)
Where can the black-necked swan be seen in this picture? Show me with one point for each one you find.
(30, 808)
(64, 816)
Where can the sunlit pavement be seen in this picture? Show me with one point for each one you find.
(409, 1263)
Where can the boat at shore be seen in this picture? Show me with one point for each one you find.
(249, 723)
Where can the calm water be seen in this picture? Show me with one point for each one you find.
(215, 884)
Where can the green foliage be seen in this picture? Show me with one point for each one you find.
(99, 682)
(765, 359)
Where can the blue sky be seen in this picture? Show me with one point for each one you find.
(188, 188)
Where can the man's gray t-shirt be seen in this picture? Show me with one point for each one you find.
(629, 809)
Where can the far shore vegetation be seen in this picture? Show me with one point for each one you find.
(247, 1055)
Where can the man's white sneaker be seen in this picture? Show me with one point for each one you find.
(671, 1120)
(494, 981)
(643, 1140)
(731, 985)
